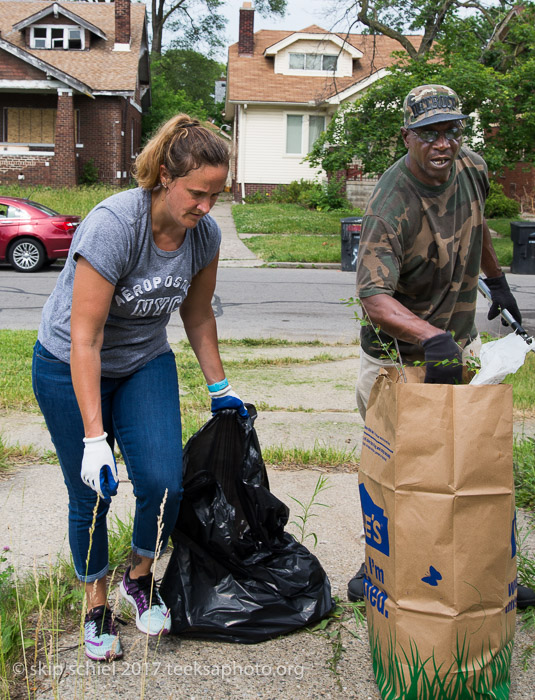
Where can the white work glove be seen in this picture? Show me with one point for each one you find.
(99, 470)
(223, 396)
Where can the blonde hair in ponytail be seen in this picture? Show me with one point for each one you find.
(181, 144)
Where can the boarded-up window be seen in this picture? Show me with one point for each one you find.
(29, 125)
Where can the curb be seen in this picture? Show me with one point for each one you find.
(305, 265)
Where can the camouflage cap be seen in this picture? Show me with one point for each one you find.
(430, 104)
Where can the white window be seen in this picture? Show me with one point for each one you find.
(315, 126)
(313, 61)
(297, 61)
(294, 133)
(302, 130)
(57, 37)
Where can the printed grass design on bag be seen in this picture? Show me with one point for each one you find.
(425, 678)
(437, 497)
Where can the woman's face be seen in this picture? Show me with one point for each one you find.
(189, 198)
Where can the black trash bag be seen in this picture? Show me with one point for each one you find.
(234, 573)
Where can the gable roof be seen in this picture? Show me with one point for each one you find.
(47, 68)
(312, 33)
(252, 79)
(99, 68)
(56, 10)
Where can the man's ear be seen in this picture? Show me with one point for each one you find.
(405, 135)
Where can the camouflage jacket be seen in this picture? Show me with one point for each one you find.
(422, 245)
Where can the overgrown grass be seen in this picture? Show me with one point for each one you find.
(66, 200)
(523, 382)
(11, 455)
(37, 606)
(16, 350)
(268, 342)
(524, 471)
(287, 218)
(319, 457)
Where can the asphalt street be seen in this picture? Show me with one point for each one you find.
(254, 302)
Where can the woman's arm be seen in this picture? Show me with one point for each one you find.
(91, 299)
(199, 322)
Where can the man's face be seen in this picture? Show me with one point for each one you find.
(430, 159)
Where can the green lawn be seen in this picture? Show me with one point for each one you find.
(316, 234)
(287, 218)
(309, 248)
(65, 200)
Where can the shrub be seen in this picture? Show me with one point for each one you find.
(326, 196)
(257, 198)
(498, 205)
(294, 192)
(283, 194)
(312, 195)
(89, 174)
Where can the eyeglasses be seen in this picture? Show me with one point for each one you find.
(430, 135)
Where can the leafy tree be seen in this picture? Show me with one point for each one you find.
(488, 58)
(195, 74)
(195, 21)
(183, 81)
(166, 103)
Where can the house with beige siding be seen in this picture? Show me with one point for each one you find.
(283, 88)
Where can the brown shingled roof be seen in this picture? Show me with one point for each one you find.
(251, 78)
(99, 67)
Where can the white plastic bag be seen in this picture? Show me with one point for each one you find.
(500, 358)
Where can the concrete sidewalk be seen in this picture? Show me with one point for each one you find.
(233, 252)
(314, 404)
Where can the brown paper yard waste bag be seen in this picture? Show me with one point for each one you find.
(436, 488)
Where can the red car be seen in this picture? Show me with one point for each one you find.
(32, 235)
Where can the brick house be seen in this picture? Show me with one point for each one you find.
(282, 89)
(74, 81)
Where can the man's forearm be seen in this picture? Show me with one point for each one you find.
(396, 320)
(489, 261)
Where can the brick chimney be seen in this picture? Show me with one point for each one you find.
(122, 25)
(246, 38)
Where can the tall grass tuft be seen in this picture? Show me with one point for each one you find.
(302, 518)
(524, 471)
(319, 457)
(37, 606)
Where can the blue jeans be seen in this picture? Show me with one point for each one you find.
(140, 411)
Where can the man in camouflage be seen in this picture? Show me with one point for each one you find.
(424, 240)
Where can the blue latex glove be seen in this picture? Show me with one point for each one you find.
(99, 470)
(223, 396)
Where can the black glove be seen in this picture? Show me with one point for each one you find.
(437, 349)
(502, 298)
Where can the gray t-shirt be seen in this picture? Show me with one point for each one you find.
(116, 239)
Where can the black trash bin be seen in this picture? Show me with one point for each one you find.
(351, 227)
(523, 237)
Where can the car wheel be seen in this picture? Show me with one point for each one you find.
(27, 255)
